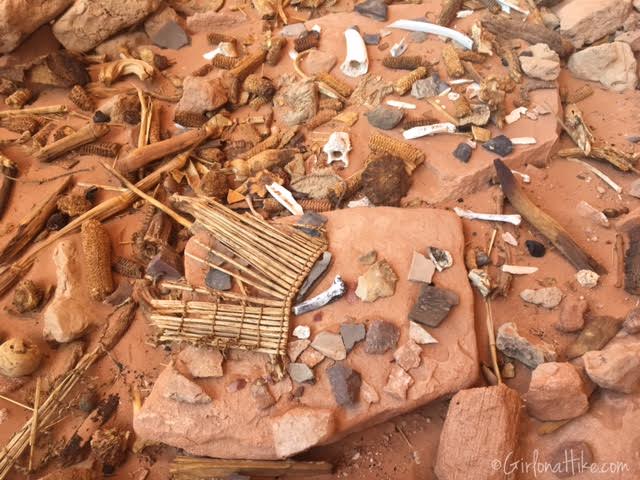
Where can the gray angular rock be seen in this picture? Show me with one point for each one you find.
(381, 336)
(170, 35)
(300, 372)
(500, 145)
(351, 334)
(463, 152)
(424, 88)
(218, 280)
(345, 384)
(384, 118)
(433, 305)
(317, 272)
(513, 345)
(376, 9)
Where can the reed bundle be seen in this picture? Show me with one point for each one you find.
(273, 260)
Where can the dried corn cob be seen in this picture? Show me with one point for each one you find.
(403, 62)
(224, 62)
(452, 62)
(410, 155)
(403, 84)
(248, 64)
(275, 50)
(41, 138)
(471, 56)
(22, 123)
(272, 141)
(216, 37)
(261, 86)
(101, 149)
(81, 99)
(203, 70)
(346, 189)
(96, 249)
(330, 104)
(73, 205)
(410, 122)
(461, 107)
(270, 205)
(306, 41)
(258, 102)
(7, 87)
(189, 119)
(320, 118)
(19, 98)
(578, 95)
(127, 267)
(343, 89)
(511, 59)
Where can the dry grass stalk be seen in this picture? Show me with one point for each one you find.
(452, 61)
(141, 157)
(12, 273)
(448, 13)
(549, 227)
(34, 424)
(410, 155)
(403, 84)
(86, 134)
(31, 226)
(192, 468)
(9, 171)
(19, 98)
(279, 259)
(619, 260)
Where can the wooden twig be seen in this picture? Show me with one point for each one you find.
(8, 170)
(31, 226)
(619, 260)
(34, 111)
(619, 159)
(15, 402)
(549, 227)
(492, 339)
(532, 33)
(86, 134)
(194, 468)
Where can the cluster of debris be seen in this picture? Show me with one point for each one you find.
(215, 164)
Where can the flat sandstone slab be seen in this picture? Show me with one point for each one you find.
(232, 426)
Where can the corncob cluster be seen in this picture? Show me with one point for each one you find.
(306, 41)
(22, 123)
(410, 155)
(19, 98)
(343, 89)
(81, 99)
(330, 104)
(100, 149)
(96, 249)
(578, 95)
(452, 62)
(73, 205)
(223, 62)
(189, 119)
(260, 86)
(216, 37)
(275, 50)
(403, 62)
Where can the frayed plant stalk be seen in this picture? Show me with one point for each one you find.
(86, 134)
(9, 171)
(31, 226)
(96, 250)
(192, 468)
(51, 109)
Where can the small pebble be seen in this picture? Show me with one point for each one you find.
(100, 117)
(384, 118)
(535, 248)
(463, 152)
(587, 278)
(371, 38)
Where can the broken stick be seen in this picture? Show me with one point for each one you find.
(549, 227)
(194, 467)
(509, 29)
(86, 134)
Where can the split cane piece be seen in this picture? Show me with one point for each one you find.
(86, 134)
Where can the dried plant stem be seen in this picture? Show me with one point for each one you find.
(183, 468)
(492, 339)
(15, 402)
(34, 111)
(86, 134)
(34, 425)
(619, 260)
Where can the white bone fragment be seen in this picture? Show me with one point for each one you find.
(518, 269)
(515, 115)
(464, 13)
(426, 27)
(399, 104)
(302, 332)
(617, 188)
(337, 148)
(224, 48)
(361, 202)
(398, 48)
(385, 33)
(316, 28)
(525, 178)
(460, 81)
(490, 217)
(336, 290)
(510, 239)
(285, 198)
(445, 92)
(453, 96)
(424, 130)
(523, 141)
(356, 62)
(293, 55)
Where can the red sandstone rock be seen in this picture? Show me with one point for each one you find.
(201, 94)
(19, 18)
(556, 392)
(585, 21)
(571, 317)
(481, 426)
(87, 23)
(616, 367)
(200, 362)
